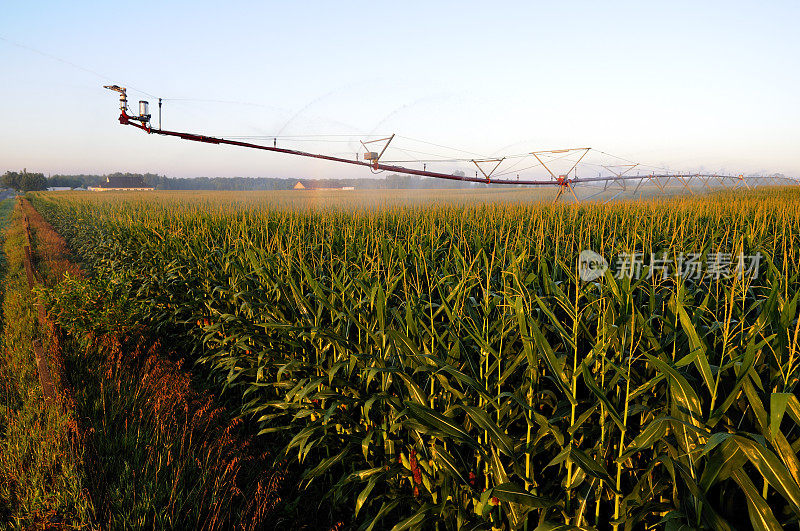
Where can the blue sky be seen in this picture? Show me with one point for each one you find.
(684, 85)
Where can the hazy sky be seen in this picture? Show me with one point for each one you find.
(687, 85)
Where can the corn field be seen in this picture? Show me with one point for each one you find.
(445, 367)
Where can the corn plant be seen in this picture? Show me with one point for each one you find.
(444, 366)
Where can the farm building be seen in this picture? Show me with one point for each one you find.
(121, 182)
(299, 186)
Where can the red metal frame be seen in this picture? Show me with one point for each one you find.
(124, 119)
(562, 181)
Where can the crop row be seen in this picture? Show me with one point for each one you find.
(446, 366)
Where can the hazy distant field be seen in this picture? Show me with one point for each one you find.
(369, 199)
(326, 198)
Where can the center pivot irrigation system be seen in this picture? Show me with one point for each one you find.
(486, 167)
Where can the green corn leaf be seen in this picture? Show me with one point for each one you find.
(365, 492)
(511, 492)
(439, 422)
(553, 362)
(590, 466)
(722, 463)
(415, 521)
(773, 470)
(777, 407)
(697, 345)
(596, 391)
(761, 516)
(413, 389)
(447, 460)
(500, 439)
(687, 401)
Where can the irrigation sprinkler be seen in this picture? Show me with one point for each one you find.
(487, 167)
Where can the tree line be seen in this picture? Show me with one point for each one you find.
(25, 181)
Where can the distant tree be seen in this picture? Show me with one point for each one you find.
(33, 181)
(75, 181)
(24, 181)
(10, 179)
(162, 182)
(64, 180)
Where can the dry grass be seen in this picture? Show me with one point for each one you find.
(41, 458)
(159, 451)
